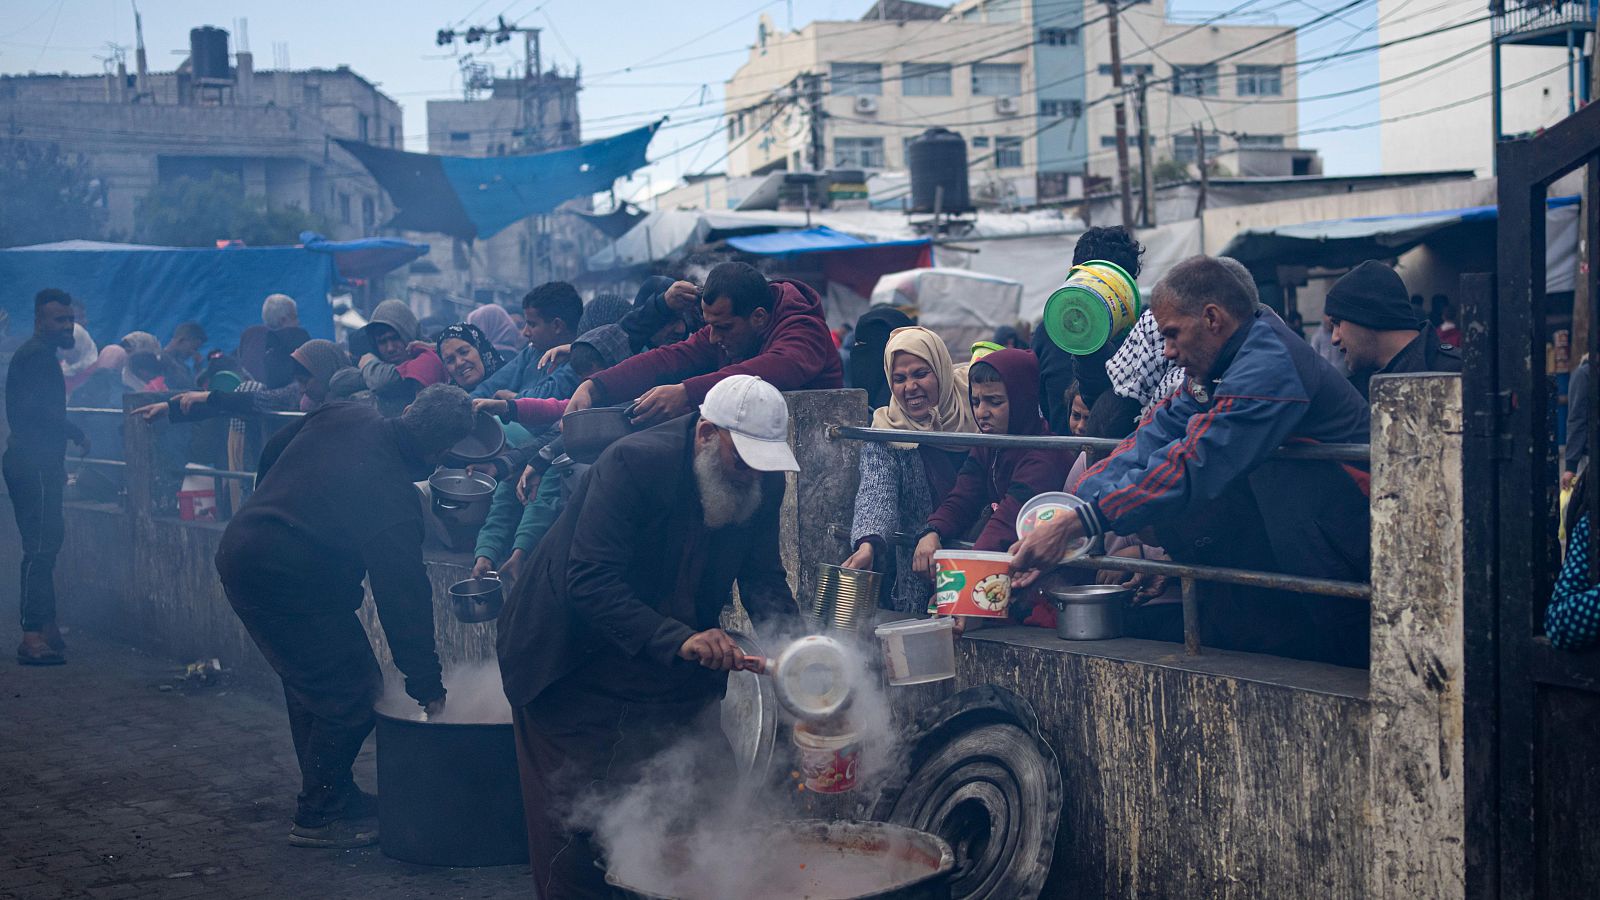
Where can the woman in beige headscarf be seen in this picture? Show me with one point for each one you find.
(902, 483)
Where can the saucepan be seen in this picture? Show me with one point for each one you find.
(477, 599)
(811, 676)
(588, 432)
(483, 443)
(1090, 612)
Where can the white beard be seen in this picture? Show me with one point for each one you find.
(725, 501)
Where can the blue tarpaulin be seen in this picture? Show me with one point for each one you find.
(364, 258)
(477, 197)
(131, 288)
(821, 239)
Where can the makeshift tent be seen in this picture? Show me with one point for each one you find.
(478, 197)
(846, 260)
(1341, 243)
(365, 258)
(127, 287)
(961, 306)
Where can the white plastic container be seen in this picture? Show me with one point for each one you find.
(1048, 506)
(917, 651)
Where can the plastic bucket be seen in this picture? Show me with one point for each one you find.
(828, 762)
(1099, 299)
(917, 651)
(972, 583)
(1048, 507)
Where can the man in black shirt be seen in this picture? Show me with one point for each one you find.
(335, 503)
(1380, 334)
(35, 468)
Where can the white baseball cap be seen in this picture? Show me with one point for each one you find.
(755, 413)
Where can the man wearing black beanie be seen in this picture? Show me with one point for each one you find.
(1379, 332)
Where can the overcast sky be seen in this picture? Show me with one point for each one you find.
(640, 58)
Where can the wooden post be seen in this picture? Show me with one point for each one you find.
(1147, 166)
(1200, 202)
(1121, 107)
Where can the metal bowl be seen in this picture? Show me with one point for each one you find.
(484, 443)
(588, 432)
(477, 599)
(1090, 612)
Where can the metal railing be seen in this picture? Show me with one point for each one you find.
(1187, 574)
(1509, 19)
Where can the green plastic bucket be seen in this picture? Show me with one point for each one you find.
(1098, 300)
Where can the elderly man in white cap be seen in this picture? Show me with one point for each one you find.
(613, 650)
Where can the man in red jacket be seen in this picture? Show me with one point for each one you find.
(773, 330)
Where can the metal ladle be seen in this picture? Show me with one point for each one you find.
(810, 676)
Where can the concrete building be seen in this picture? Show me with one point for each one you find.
(1437, 89)
(273, 130)
(507, 116)
(1026, 82)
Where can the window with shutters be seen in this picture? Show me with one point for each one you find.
(1008, 152)
(925, 79)
(1260, 81)
(996, 79)
(1061, 109)
(1058, 37)
(1195, 81)
(856, 79)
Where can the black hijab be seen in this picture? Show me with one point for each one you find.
(866, 354)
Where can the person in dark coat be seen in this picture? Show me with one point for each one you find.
(1373, 323)
(598, 644)
(664, 312)
(866, 353)
(773, 330)
(1198, 469)
(35, 468)
(335, 504)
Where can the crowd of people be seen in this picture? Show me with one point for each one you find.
(1199, 393)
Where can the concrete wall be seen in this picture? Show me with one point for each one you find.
(1221, 775)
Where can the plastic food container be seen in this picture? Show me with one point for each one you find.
(1048, 507)
(1098, 300)
(828, 762)
(972, 583)
(917, 651)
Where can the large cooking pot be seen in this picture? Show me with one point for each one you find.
(588, 432)
(448, 793)
(814, 859)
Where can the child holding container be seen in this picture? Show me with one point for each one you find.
(994, 483)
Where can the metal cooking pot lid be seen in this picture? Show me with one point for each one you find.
(750, 716)
(462, 484)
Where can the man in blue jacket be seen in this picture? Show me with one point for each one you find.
(550, 314)
(1198, 471)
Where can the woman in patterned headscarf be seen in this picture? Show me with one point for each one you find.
(468, 355)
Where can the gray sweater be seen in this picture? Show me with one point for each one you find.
(894, 497)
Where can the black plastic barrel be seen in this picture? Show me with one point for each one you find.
(208, 53)
(938, 159)
(448, 794)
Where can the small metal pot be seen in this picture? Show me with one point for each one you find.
(462, 498)
(1090, 612)
(477, 599)
(588, 432)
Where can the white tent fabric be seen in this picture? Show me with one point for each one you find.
(961, 306)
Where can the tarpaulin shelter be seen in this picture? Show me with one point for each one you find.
(364, 258)
(129, 287)
(1341, 243)
(961, 306)
(846, 260)
(471, 197)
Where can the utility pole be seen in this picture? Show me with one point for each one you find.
(1122, 116)
(1200, 202)
(1147, 169)
(812, 86)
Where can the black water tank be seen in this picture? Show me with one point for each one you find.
(208, 53)
(939, 160)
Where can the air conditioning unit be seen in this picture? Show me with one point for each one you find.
(867, 106)
(1007, 106)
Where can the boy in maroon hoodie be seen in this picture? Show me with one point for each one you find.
(1004, 388)
(774, 330)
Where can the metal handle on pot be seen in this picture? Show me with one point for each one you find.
(757, 664)
(448, 504)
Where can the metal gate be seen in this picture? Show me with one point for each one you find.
(1532, 737)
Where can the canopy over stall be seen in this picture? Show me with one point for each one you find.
(1341, 243)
